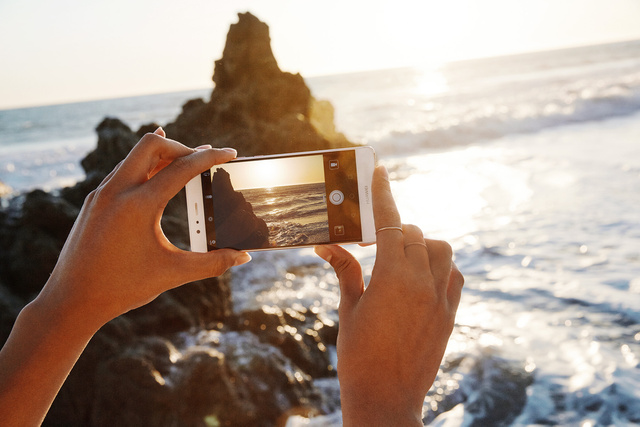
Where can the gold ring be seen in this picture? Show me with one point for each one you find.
(388, 228)
(416, 243)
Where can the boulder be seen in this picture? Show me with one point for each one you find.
(115, 140)
(301, 334)
(33, 228)
(237, 226)
(492, 389)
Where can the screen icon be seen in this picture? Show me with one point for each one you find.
(336, 197)
(333, 164)
(338, 230)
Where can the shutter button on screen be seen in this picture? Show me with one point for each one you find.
(336, 197)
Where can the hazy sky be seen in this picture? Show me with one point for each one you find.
(69, 50)
(276, 172)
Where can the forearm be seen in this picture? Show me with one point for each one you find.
(42, 349)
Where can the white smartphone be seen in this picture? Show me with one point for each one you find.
(283, 201)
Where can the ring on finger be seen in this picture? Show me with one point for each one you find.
(388, 228)
(416, 243)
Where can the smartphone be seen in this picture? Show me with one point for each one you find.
(283, 201)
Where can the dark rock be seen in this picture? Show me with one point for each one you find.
(200, 305)
(300, 334)
(146, 128)
(210, 386)
(191, 379)
(237, 226)
(49, 213)
(10, 306)
(115, 140)
(32, 233)
(492, 389)
(259, 384)
(77, 193)
(131, 392)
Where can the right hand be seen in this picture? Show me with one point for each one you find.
(393, 335)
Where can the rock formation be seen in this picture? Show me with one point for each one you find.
(255, 107)
(186, 358)
(237, 226)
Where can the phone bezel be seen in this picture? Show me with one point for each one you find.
(365, 164)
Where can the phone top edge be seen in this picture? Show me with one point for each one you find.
(301, 153)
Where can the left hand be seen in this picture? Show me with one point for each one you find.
(116, 257)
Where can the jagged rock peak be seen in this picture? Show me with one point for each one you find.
(246, 52)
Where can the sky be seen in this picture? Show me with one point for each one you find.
(74, 50)
(267, 173)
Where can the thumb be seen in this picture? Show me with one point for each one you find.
(199, 266)
(349, 274)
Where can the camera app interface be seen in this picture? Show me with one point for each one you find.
(282, 202)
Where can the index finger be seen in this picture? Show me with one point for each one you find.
(385, 212)
(174, 177)
(152, 149)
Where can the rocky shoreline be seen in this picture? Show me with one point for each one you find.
(186, 358)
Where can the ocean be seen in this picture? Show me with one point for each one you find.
(295, 214)
(529, 165)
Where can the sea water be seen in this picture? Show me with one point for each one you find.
(295, 214)
(529, 165)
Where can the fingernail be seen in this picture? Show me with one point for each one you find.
(230, 150)
(203, 147)
(159, 130)
(323, 252)
(243, 258)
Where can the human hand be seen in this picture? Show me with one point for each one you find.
(116, 257)
(392, 336)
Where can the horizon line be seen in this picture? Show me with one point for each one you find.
(313, 76)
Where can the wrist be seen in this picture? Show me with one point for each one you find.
(64, 313)
(358, 410)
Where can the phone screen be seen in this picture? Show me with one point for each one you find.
(286, 201)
